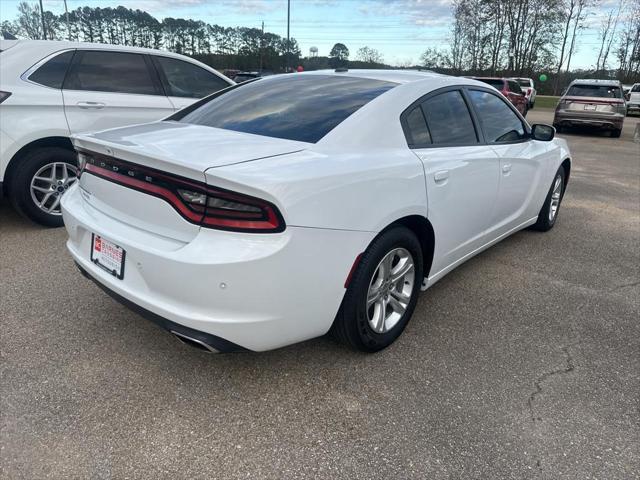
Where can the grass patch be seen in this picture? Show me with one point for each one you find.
(546, 101)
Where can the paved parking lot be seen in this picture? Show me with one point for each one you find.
(523, 363)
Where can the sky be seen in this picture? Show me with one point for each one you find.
(399, 29)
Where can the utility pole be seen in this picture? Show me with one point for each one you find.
(261, 46)
(66, 11)
(44, 28)
(288, 39)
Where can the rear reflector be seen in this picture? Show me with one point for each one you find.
(195, 201)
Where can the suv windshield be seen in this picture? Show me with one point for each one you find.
(294, 107)
(636, 88)
(602, 91)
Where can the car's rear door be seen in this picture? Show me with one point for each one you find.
(523, 162)
(462, 174)
(184, 82)
(105, 89)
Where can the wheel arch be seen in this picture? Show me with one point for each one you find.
(46, 142)
(423, 229)
(566, 165)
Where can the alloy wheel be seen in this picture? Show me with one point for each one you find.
(390, 290)
(555, 198)
(50, 183)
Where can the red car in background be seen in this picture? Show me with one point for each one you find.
(510, 89)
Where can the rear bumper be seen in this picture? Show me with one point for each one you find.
(572, 119)
(237, 291)
(633, 107)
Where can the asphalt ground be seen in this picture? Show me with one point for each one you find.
(523, 363)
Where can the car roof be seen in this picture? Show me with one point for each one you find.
(55, 45)
(591, 81)
(395, 76)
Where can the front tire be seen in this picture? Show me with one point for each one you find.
(383, 292)
(551, 207)
(42, 177)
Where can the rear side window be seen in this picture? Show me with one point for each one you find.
(52, 73)
(499, 122)
(449, 120)
(103, 71)
(416, 126)
(514, 87)
(602, 91)
(294, 107)
(187, 80)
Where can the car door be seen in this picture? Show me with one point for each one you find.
(523, 161)
(461, 173)
(106, 89)
(185, 82)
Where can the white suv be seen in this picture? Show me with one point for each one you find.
(51, 90)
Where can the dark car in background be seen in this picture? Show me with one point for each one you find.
(592, 103)
(510, 89)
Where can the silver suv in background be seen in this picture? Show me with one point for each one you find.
(593, 103)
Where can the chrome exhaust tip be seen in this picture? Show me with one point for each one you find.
(193, 342)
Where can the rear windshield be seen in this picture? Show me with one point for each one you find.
(524, 82)
(603, 91)
(291, 106)
(494, 82)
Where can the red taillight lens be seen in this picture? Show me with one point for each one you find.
(195, 201)
(4, 96)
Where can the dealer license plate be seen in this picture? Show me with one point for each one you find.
(108, 256)
(589, 107)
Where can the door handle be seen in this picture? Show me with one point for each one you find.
(441, 176)
(96, 105)
(506, 168)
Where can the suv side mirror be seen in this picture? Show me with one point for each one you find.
(542, 132)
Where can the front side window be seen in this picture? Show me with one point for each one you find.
(602, 91)
(104, 71)
(499, 122)
(449, 119)
(185, 79)
(294, 107)
(52, 73)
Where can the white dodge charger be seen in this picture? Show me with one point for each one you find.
(275, 211)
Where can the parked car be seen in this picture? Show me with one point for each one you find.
(51, 90)
(528, 88)
(510, 89)
(245, 76)
(633, 102)
(330, 200)
(593, 103)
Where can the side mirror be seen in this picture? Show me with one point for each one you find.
(542, 132)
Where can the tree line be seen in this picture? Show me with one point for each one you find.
(227, 47)
(522, 37)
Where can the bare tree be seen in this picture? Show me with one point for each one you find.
(608, 30)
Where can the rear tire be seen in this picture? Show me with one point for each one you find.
(551, 207)
(616, 133)
(41, 178)
(376, 308)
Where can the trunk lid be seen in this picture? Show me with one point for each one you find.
(127, 162)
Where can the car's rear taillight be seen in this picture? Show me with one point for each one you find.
(196, 202)
(4, 96)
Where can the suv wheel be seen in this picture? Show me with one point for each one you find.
(616, 133)
(43, 176)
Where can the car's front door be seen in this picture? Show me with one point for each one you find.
(523, 161)
(185, 82)
(106, 89)
(461, 174)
